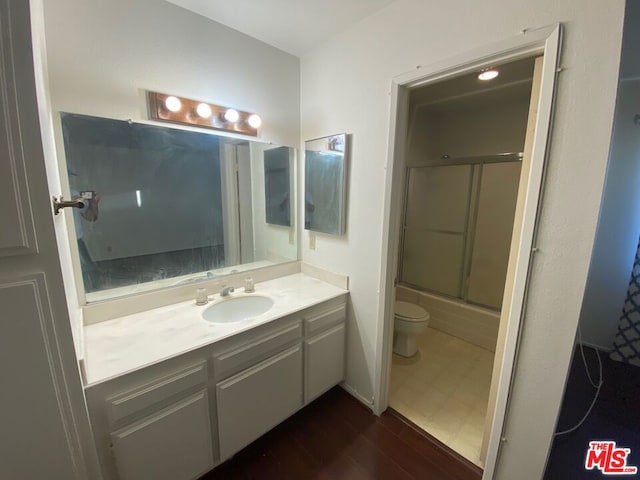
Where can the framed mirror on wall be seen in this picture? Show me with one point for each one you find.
(325, 185)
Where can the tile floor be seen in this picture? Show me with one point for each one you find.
(444, 390)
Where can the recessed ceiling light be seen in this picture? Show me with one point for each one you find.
(173, 103)
(488, 74)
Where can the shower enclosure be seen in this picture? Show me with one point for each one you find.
(458, 221)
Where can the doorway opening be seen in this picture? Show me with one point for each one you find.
(463, 157)
(472, 177)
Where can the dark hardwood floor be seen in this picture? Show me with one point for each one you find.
(336, 437)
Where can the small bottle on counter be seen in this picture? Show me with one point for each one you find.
(248, 285)
(201, 296)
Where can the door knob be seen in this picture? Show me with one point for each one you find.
(61, 203)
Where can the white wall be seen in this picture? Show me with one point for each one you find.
(619, 224)
(618, 227)
(103, 54)
(345, 87)
(483, 130)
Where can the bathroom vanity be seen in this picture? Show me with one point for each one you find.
(171, 395)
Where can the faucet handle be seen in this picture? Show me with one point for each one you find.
(225, 291)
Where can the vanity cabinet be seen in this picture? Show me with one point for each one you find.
(324, 362)
(172, 444)
(155, 424)
(254, 401)
(264, 364)
(324, 350)
(179, 418)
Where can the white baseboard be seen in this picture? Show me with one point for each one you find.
(354, 393)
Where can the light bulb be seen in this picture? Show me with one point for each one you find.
(231, 115)
(254, 120)
(203, 110)
(488, 74)
(173, 103)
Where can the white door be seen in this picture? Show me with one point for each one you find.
(43, 418)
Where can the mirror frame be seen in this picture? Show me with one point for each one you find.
(330, 144)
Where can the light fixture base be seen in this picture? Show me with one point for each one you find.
(190, 113)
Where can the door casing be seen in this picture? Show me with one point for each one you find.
(544, 41)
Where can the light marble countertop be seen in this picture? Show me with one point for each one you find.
(122, 345)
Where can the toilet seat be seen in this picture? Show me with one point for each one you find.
(410, 312)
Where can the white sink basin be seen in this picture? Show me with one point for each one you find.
(237, 309)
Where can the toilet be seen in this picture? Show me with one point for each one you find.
(409, 321)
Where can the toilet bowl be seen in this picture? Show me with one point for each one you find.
(409, 321)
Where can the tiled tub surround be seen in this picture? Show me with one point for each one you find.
(444, 390)
(473, 324)
(115, 347)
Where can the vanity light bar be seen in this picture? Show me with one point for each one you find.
(171, 108)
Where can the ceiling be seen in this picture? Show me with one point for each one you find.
(462, 92)
(295, 26)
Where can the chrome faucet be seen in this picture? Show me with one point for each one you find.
(226, 291)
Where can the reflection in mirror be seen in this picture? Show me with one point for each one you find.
(277, 186)
(166, 206)
(326, 184)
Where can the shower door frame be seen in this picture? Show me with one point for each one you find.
(477, 164)
(544, 41)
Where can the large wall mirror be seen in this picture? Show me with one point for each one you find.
(326, 184)
(166, 206)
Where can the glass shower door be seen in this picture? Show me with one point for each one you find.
(492, 233)
(435, 228)
(457, 229)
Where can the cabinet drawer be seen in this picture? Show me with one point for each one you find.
(324, 362)
(245, 353)
(318, 321)
(173, 444)
(140, 398)
(257, 399)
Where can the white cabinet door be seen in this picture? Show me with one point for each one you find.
(324, 362)
(257, 399)
(172, 444)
